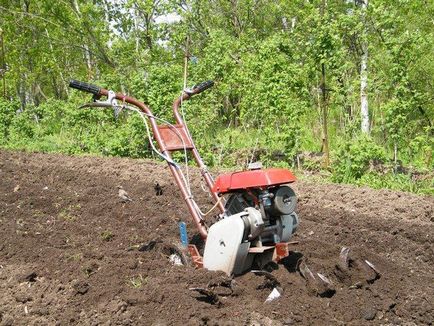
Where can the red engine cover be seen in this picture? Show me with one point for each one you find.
(252, 179)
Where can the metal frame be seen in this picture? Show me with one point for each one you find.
(168, 141)
(176, 137)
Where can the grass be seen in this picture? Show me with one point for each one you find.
(75, 257)
(68, 213)
(136, 282)
(107, 235)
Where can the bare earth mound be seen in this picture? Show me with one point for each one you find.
(72, 253)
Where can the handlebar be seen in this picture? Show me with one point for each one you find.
(85, 87)
(98, 91)
(202, 86)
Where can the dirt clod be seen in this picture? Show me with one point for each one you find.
(22, 297)
(369, 313)
(28, 276)
(7, 320)
(81, 287)
(148, 246)
(207, 295)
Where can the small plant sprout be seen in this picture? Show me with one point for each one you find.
(136, 282)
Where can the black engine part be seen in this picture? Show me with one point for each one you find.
(284, 201)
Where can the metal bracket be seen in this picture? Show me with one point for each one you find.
(195, 256)
(114, 103)
(281, 250)
(111, 102)
(188, 91)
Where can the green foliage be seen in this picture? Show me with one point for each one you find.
(56, 126)
(136, 282)
(268, 59)
(7, 114)
(355, 157)
(364, 163)
(421, 150)
(107, 235)
(398, 181)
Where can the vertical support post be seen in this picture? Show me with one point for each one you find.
(183, 234)
(203, 169)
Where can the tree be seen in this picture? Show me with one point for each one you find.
(364, 107)
(3, 63)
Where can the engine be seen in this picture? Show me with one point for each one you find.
(259, 218)
(271, 218)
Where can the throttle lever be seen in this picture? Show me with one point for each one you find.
(111, 102)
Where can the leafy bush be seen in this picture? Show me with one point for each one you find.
(398, 181)
(56, 126)
(353, 159)
(7, 114)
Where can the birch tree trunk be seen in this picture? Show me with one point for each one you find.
(136, 29)
(364, 107)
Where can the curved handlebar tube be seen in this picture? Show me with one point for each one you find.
(203, 169)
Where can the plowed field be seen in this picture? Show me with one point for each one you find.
(72, 253)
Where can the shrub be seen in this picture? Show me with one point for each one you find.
(354, 157)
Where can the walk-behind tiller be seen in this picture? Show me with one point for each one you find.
(257, 207)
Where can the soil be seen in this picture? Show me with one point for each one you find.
(72, 253)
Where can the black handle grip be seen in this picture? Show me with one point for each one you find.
(203, 86)
(85, 87)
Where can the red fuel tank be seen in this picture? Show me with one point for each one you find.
(252, 179)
